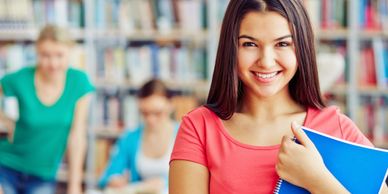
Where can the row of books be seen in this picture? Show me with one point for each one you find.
(371, 117)
(15, 56)
(23, 14)
(332, 14)
(135, 64)
(373, 67)
(150, 15)
(116, 109)
(118, 65)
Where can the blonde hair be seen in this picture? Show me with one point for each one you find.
(56, 34)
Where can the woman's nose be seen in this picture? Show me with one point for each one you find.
(266, 58)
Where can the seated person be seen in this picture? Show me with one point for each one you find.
(141, 156)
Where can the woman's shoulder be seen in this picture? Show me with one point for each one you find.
(132, 131)
(81, 79)
(330, 120)
(201, 112)
(76, 72)
(199, 120)
(28, 70)
(328, 111)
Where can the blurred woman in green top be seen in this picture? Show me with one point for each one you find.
(53, 103)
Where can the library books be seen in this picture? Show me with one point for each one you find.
(360, 169)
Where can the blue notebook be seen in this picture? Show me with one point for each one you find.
(360, 169)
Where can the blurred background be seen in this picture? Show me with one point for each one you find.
(122, 43)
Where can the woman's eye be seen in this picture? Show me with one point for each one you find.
(248, 44)
(283, 44)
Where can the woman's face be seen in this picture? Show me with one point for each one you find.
(266, 55)
(53, 57)
(155, 110)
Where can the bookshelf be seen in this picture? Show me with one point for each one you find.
(119, 49)
(357, 30)
(111, 35)
(172, 40)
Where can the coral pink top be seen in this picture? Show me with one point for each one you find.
(238, 168)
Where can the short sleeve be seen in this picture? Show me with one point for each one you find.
(83, 83)
(351, 132)
(189, 143)
(8, 85)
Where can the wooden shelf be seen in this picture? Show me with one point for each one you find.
(158, 36)
(370, 34)
(372, 91)
(108, 132)
(63, 174)
(200, 87)
(364, 91)
(343, 34)
(333, 34)
(337, 90)
(30, 34)
(381, 144)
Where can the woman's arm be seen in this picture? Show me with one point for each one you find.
(116, 171)
(187, 177)
(77, 145)
(6, 122)
(302, 165)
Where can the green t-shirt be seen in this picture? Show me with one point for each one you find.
(41, 131)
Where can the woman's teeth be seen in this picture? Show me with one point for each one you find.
(266, 75)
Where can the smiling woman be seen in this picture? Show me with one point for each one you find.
(266, 54)
(265, 78)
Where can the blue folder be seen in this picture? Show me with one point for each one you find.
(360, 169)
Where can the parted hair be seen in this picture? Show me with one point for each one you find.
(226, 89)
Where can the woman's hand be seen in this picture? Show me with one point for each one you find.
(153, 185)
(75, 189)
(10, 125)
(302, 165)
(118, 181)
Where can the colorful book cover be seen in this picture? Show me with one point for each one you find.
(360, 169)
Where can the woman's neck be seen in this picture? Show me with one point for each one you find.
(50, 79)
(268, 108)
(161, 130)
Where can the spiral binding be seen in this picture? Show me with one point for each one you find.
(280, 181)
(277, 187)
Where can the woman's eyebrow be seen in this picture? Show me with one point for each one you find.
(283, 37)
(254, 39)
(248, 37)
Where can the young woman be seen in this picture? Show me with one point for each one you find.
(53, 110)
(141, 155)
(265, 78)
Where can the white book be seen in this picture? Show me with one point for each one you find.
(131, 112)
(164, 57)
(61, 13)
(378, 49)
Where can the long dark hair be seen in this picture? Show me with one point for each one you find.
(226, 88)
